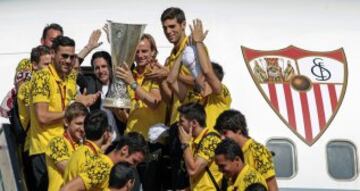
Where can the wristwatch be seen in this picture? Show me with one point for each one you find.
(133, 85)
(184, 146)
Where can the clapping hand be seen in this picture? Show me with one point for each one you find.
(87, 99)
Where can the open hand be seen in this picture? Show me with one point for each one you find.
(94, 39)
(197, 33)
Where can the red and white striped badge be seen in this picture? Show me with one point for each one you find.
(304, 88)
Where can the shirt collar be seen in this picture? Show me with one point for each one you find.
(93, 146)
(182, 46)
(241, 174)
(200, 136)
(54, 72)
(247, 144)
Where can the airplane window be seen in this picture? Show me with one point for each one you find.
(342, 160)
(283, 157)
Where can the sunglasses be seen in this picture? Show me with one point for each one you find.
(66, 56)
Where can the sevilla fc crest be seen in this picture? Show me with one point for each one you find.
(305, 88)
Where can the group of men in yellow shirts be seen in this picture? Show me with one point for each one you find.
(67, 144)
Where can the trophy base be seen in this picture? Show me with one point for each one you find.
(117, 103)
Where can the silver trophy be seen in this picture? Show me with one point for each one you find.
(124, 39)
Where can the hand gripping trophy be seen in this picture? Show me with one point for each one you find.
(124, 39)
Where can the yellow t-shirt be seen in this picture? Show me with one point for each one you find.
(259, 157)
(174, 115)
(48, 87)
(215, 104)
(23, 100)
(193, 96)
(59, 149)
(246, 177)
(141, 116)
(204, 146)
(90, 164)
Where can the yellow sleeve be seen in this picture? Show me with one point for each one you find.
(40, 86)
(263, 161)
(252, 177)
(24, 64)
(95, 173)
(21, 92)
(207, 147)
(57, 150)
(223, 96)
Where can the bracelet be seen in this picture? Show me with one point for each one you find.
(184, 146)
(133, 85)
(87, 48)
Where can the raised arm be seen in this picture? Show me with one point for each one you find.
(178, 87)
(92, 44)
(198, 37)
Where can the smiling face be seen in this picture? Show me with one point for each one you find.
(64, 59)
(143, 52)
(230, 168)
(102, 70)
(44, 62)
(173, 30)
(75, 128)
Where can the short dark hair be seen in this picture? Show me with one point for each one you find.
(96, 123)
(218, 70)
(135, 141)
(230, 149)
(74, 110)
(101, 54)
(232, 120)
(194, 111)
(120, 174)
(62, 41)
(173, 13)
(53, 26)
(37, 52)
(256, 187)
(152, 42)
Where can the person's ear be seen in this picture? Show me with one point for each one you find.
(35, 65)
(124, 151)
(183, 25)
(239, 132)
(66, 123)
(194, 123)
(52, 53)
(130, 184)
(106, 136)
(238, 161)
